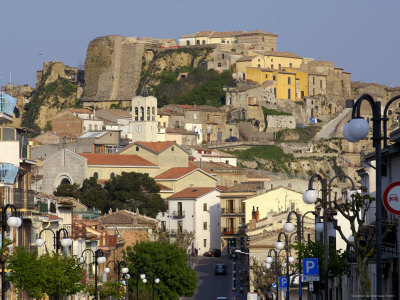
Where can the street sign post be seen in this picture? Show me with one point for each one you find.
(310, 269)
(283, 284)
(391, 198)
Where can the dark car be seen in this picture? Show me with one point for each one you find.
(231, 139)
(209, 253)
(213, 253)
(220, 269)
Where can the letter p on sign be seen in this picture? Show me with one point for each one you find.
(310, 266)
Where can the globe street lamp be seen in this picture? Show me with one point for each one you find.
(142, 276)
(356, 129)
(289, 227)
(98, 258)
(280, 246)
(121, 267)
(155, 280)
(58, 242)
(310, 197)
(269, 260)
(13, 221)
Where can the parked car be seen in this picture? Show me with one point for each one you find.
(220, 269)
(209, 253)
(213, 253)
(231, 139)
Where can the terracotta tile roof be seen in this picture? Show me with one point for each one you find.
(226, 34)
(192, 193)
(169, 112)
(222, 187)
(125, 217)
(155, 147)
(116, 160)
(278, 53)
(245, 187)
(204, 33)
(80, 110)
(175, 173)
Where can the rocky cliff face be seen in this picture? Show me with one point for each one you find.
(115, 66)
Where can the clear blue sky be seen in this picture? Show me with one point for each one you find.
(360, 36)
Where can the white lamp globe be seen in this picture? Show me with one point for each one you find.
(157, 280)
(351, 238)
(350, 195)
(107, 270)
(101, 259)
(65, 242)
(39, 242)
(144, 280)
(279, 245)
(127, 276)
(284, 265)
(125, 270)
(288, 227)
(12, 222)
(142, 276)
(310, 196)
(291, 259)
(319, 227)
(347, 135)
(19, 221)
(358, 128)
(268, 266)
(269, 259)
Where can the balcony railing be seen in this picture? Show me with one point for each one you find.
(178, 214)
(8, 172)
(7, 105)
(228, 231)
(23, 200)
(227, 211)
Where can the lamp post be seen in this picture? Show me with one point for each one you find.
(155, 280)
(289, 227)
(98, 257)
(13, 221)
(120, 264)
(143, 277)
(269, 260)
(310, 197)
(356, 129)
(289, 259)
(57, 243)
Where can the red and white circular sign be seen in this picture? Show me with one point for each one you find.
(391, 198)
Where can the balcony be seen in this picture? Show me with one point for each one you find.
(7, 105)
(8, 172)
(178, 214)
(228, 231)
(23, 200)
(232, 211)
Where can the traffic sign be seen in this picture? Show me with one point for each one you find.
(310, 269)
(274, 286)
(391, 198)
(283, 283)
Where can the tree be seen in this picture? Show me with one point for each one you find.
(67, 190)
(93, 194)
(262, 278)
(48, 274)
(166, 261)
(135, 190)
(113, 289)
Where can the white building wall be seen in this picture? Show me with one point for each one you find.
(9, 152)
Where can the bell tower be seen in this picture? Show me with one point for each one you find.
(144, 113)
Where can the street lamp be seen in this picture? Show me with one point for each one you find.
(98, 258)
(280, 246)
(155, 280)
(269, 260)
(120, 264)
(356, 129)
(58, 242)
(142, 276)
(310, 197)
(12, 221)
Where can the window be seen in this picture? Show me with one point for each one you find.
(205, 225)
(223, 56)
(204, 206)
(259, 65)
(112, 175)
(137, 148)
(288, 80)
(272, 49)
(288, 92)
(280, 67)
(148, 113)
(198, 42)
(203, 42)
(313, 80)
(258, 60)
(187, 43)
(272, 66)
(235, 183)
(290, 65)
(180, 209)
(313, 92)
(180, 227)
(223, 41)
(205, 243)
(227, 162)
(219, 65)
(96, 175)
(266, 76)
(320, 84)
(141, 113)
(164, 124)
(163, 225)
(262, 39)
(275, 92)
(274, 77)
(136, 114)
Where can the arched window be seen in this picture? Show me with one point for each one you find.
(288, 80)
(148, 113)
(136, 113)
(65, 181)
(141, 113)
(274, 77)
(290, 65)
(112, 175)
(288, 92)
(96, 175)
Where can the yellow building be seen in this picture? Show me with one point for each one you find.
(166, 155)
(276, 201)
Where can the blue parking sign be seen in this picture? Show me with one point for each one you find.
(283, 282)
(310, 266)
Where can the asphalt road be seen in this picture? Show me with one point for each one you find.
(209, 285)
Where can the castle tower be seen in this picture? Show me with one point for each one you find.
(144, 112)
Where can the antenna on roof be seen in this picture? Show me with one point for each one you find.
(144, 92)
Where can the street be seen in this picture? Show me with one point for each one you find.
(211, 286)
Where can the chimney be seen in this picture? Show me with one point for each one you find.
(253, 214)
(272, 186)
(257, 215)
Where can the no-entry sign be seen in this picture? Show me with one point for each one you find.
(391, 198)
